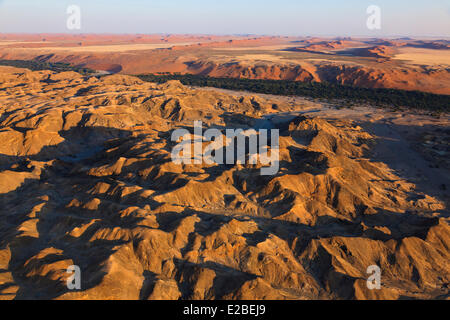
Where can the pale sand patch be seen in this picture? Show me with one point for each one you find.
(252, 58)
(257, 48)
(116, 48)
(268, 57)
(7, 43)
(424, 56)
(263, 57)
(332, 60)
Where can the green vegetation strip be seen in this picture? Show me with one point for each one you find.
(352, 95)
(39, 65)
(382, 97)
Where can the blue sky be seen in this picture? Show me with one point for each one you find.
(276, 17)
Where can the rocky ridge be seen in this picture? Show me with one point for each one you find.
(87, 180)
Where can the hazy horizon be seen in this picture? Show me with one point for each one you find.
(284, 18)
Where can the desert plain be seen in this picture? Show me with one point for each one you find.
(399, 63)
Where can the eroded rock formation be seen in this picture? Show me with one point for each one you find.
(86, 179)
